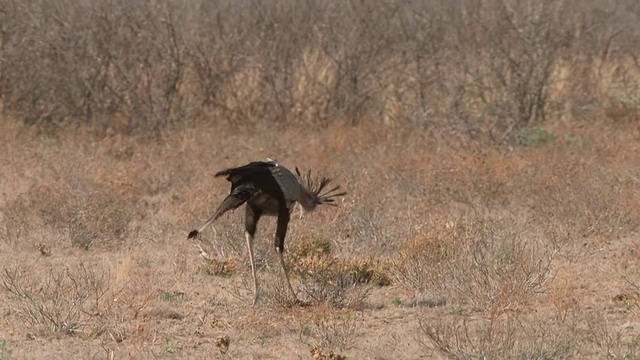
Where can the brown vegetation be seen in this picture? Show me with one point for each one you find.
(490, 151)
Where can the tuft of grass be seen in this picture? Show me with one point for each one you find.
(169, 346)
(333, 331)
(537, 136)
(331, 280)
(6, 353)
(575, 142)
(364, 271)
(222, 342)
(319, 354)
(172, 296)
(317, 247)
(215, 267)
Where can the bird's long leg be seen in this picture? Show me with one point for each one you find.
(286, 273)
(252, 215)
(237, 197)
(253, 267)
(281, 231)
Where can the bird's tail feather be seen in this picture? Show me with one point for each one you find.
(316, 187)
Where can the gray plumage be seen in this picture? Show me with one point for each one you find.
(269, 188)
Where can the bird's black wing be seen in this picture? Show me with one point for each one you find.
(249, 170)
(257, 173)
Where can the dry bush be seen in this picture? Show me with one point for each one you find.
(500, 268)
(487, 264)
(506, 337)
(78, 300)
(585, 199)
(99, 217)
(330, 331)
(610, 340)
(471, 75)
(42, 206)
(326, 279)
(421, 265)
(63, 300)
(558, 187)
(86, 69)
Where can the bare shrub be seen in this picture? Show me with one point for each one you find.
(500, 268)
(507, 337)
(421, 265)
(98, 217)
(41, 206)
(142, 67)
(63, 300)
(487, 264)
(612, 341)
(326, 279)
(591, 203)
(96, 60)
(333, 331)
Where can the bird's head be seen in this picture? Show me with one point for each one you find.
(314, 191)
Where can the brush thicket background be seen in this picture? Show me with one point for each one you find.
(490, 150)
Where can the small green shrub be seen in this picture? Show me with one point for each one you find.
(537, 136)
(224, 268)
(5, 350)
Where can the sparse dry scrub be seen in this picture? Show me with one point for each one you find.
(489, 150)
(64, 300)
(332, 332)
(485, 264)
(98, 217)
(612, 341)
(329, 280)
(468, 75)
(507, 337)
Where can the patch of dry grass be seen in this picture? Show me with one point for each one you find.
(492, 180)
(512, 336)
(523, 244)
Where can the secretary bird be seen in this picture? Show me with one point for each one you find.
(269, 188)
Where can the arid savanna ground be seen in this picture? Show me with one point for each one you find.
(491, 160)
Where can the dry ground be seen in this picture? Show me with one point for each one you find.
(440, 249)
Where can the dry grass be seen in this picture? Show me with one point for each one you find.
(469, 252)
(493, 190)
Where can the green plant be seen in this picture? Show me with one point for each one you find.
(172, 296)
(537, 136)
(169, 346)
(575, 142)
(215, 267)
(6, 353)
